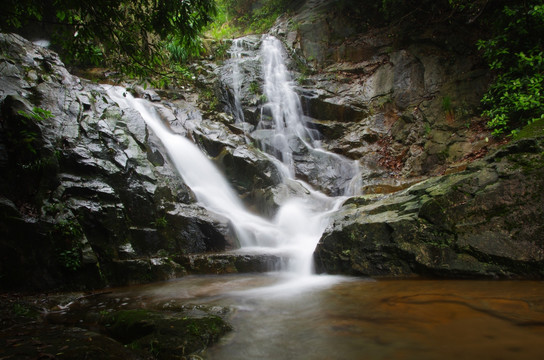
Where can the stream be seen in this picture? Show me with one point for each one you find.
(347, 318)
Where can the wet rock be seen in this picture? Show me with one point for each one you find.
(483, 222)
(248, 169)
(165, 335)
(82, 326)
(39, 341)
(83, 179)
(229, 263)
(140, 271)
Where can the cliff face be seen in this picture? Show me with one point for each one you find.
(87, 195)
(405, 104)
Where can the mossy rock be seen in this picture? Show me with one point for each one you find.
(485, 222)
(535, 129)
(165, 335)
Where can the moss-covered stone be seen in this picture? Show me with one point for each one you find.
(164, 335)
(487, 221)
(535, 129)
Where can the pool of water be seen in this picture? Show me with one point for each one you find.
(275, 317)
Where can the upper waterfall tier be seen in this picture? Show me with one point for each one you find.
(280, 129)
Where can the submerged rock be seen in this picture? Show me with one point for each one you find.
(229, 263)
(487, 221)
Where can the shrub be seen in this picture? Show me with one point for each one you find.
(516, 56)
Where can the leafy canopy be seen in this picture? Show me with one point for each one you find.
(516, 55)
(129, 35)
(239, 17)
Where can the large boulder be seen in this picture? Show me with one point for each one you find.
(487, 221)
(87, 191)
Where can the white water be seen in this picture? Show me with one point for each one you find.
(283, 103)
(300, 222)
(236, 52)
(294, 231)
(290, 132)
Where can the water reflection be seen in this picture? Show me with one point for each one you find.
(339, 318)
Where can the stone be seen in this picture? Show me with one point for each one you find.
(91, 180)
(166, 335)
(229, 263)
(486, 221)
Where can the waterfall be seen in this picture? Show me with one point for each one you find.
(283, 104)
(288, 137)
(293, 232)
(300, 221)
(236, 53)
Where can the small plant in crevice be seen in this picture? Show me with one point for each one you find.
(254, 87)
(160, 223)
(427, 129)
(68, 229)
(70, 259)
(26, 135)
(37, 114)
(66, 234)
(208, 96)
(23, 310)
(448, 108)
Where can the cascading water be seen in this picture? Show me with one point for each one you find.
(236, 52)
(290, 137)
(300, 221)
(294, 231)
(283, 104)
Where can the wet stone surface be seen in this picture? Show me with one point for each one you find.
(100, 326)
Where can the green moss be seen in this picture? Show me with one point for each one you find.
(23, 310)
(532, 130)
(162, 334)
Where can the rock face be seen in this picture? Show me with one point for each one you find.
(404, 104)
(87, 194)
(487, 221)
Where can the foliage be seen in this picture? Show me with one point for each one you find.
(70, 259)
(516, 54)
(160, 223)
(183, 49)
(130, 36)
(222, 27)
(66, 234)
(254, 87)
(68, 230)
(261, 19)
(26, 136)
(238, 17)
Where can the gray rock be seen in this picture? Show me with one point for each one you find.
(96, 189)
(484, 222)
